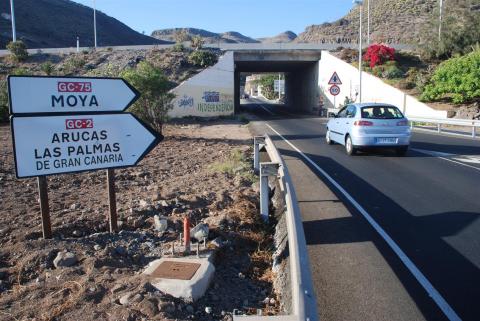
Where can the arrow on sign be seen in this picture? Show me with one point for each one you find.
(54, 95)
(335, 80)
(64, 144)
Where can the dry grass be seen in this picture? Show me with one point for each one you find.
(75, 290)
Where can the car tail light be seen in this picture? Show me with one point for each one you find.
(402, 123)
(363, 123)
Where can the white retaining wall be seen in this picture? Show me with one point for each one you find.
(207, 94)
(374, 89)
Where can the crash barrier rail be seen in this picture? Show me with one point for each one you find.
(451, 121)
(304, 306)
(435, 121)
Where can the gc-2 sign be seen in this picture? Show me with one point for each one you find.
(63, 144)
(58, 95)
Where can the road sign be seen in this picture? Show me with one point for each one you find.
(279, 85)
(64, 144)
(334, 90)
(335, 80)
(42, 95)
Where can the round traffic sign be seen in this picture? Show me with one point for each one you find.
(334, 90)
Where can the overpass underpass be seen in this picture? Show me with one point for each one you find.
(299, 66)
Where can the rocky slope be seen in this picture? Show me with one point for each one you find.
(284, 37)
(57, 23)
(209, 37)
(392, 21)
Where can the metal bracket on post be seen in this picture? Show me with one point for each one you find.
(257, 141)
(266, 170)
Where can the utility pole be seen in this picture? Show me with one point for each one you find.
(14, 31)
(95, 22)
(360, 5)
(368, 22)
(440, 21)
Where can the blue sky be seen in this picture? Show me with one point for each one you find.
(254, 18)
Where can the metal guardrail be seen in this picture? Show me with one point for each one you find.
(439, 122)
(304, 305)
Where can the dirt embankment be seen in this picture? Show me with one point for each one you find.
(192, 172)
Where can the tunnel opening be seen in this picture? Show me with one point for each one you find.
(297, 68)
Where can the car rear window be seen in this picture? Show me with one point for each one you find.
(381, 112)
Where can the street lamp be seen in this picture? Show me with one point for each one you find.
(14, 31)
(368, 22)
(360, 5)
(95, 23)
(440, 21)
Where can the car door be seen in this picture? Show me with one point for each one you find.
(336, 124)
(348, 120)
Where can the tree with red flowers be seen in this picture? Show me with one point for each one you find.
(378, 54)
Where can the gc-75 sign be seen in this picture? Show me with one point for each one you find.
(49, 95)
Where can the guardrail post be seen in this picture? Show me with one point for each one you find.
(474, 131)
(439, 127)
(256, 152)
(266, 170)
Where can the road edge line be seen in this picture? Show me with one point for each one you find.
(432, 292)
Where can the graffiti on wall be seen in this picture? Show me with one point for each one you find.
(186, 102)
(214, 101)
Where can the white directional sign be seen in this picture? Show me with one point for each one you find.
(279, 85)
(37, 95)
(63, 144)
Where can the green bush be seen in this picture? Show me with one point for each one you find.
(456, 79)
(155, 101)
(202, 58)
(18, 50)
(47, 68)
(392, 72)
(3, 100)
(178, 47)
(20, 71)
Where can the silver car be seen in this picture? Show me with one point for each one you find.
(365, 125)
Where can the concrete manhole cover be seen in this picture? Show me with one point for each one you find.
(176, 270)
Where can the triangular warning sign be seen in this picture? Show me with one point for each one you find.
(335, 80)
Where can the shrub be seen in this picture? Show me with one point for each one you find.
(202, 58)
(155, 101)
(378, 54)
(47, 68)
(3, 100)
(392, 72)
(21, 72)
(178, 47)
(456, 79)
(197, 42)
(18, 50)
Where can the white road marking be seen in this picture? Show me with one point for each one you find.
(457, 160)
(432, 292)
(265, 108)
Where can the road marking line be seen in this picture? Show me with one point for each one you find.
(439, 155)
(432, 292)
(265, 108)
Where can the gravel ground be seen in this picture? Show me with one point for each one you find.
(86, 273)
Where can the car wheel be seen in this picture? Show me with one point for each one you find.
(349, 146)
(328, 139)
(401, 151)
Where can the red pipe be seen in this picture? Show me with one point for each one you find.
(186, 234)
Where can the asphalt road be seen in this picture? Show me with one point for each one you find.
(427, 202)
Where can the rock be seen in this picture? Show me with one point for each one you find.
(97, 247)
(77, 233)
(148, 307)
(74, 206)
(199, 232)
(218, 242)
(118, 288)
(190, 309)
(167, 307)
(164, 203)
(266, 300)
(272, 301)
(65, 259)
(126, 298)
(143, 203)
(161, 224)
(241, 275)
(120, 250)
(208, 310)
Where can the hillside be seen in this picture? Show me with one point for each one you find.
(284, 37)
(392, 21)
(209, 37)
(57, 23)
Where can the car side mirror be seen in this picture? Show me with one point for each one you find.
(332, 115)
